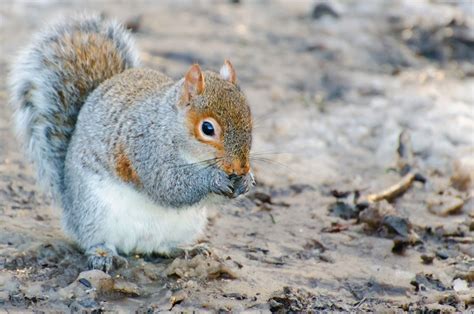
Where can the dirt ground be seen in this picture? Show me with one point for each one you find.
(332, 88)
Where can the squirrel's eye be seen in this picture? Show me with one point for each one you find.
(207, 128)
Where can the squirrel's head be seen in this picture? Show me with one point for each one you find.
(218, 117)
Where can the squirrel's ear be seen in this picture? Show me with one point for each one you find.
(227, 72)
(193, 82)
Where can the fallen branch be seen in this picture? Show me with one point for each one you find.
(395, 190)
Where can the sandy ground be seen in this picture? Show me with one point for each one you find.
(331, 94)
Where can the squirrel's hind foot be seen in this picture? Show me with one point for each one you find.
(190, 252)
(104, 257)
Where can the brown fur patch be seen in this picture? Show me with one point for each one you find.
(87, 60)
(237, 166)
(124, 169)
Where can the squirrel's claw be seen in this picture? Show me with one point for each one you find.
(102, 257)
(222, 184)
(252, 178)
(242, 184)
(189, 252)
(198, 249)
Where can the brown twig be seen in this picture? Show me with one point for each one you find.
(393, 191)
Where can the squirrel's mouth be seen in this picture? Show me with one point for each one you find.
(236, 167)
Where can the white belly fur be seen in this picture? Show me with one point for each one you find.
(135, 224)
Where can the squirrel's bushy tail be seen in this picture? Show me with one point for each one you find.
(52, 79)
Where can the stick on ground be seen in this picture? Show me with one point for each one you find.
(393, 191)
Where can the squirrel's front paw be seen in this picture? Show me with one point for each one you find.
(242, 184)
(222, 184)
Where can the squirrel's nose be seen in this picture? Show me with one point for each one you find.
(237, 166)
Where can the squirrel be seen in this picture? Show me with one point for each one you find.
(133, 157)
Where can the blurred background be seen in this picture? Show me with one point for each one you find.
(332, 84)
(352, 74)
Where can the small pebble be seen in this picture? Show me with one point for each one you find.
(442, 255)
(85, 282)
(427, 258)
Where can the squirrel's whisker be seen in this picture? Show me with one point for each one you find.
(257, 122)
(266, 153)
(206, 162)
(270, 161)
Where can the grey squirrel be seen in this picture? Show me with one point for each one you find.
(132, 157)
